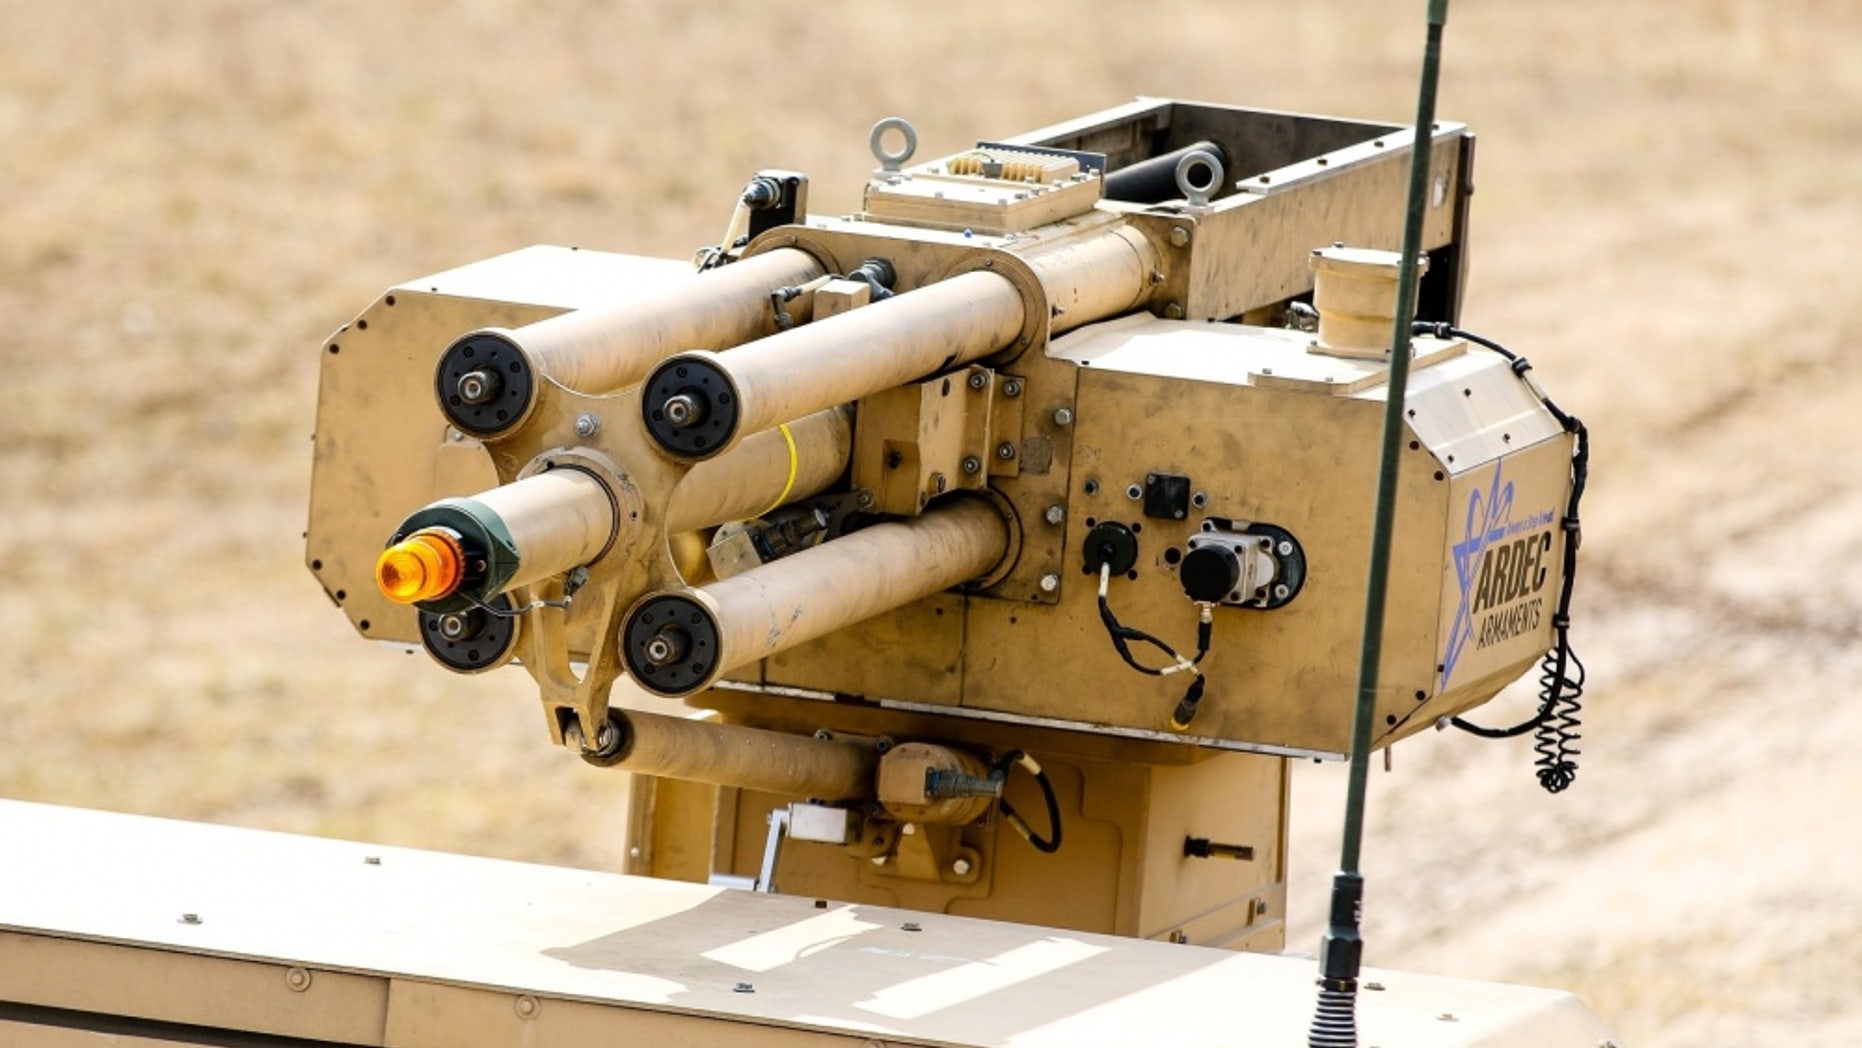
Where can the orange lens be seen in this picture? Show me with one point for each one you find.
(426, 565)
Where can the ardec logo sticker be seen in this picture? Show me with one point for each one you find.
(1502, 565)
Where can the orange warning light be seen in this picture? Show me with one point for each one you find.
(426, 565)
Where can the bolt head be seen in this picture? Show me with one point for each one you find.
(1174, 311)
(587, 425)
(1012, 388)
(1005, 451)
(1050, 582)
(961, 867)
(1055, 514)
(1179, 236)
(1285, 548)
(972, 464)
(1063, 416)
(1281, 591)
(452, 626)
(978, 380)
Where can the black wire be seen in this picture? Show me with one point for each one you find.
(1044, 845)
(1120, 633)
(1561, 673)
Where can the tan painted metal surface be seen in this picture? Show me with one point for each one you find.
(358, 945)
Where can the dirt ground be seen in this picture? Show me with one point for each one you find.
(192, 195)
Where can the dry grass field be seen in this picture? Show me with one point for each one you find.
(192, 194)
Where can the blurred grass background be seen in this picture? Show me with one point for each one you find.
(193, 194)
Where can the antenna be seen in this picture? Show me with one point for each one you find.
(1341, 951)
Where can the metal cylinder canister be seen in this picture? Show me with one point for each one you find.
(680, 642)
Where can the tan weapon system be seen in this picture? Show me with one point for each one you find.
(892, 500)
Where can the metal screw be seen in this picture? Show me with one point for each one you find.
(1134, 493)
(587, 425)
(1063, 416)
(1050, 582)
(1174, 311)
(1373, 986)
(1285, 548)
(190, 918)
(865, 497)
(744, 988)
(961, 867)
(1281, 591)
(452, 626)
(910, 926)
(1005, 451)
(1199, 500)
(1091, 487)
(1179, 237)
(1012, 388)
(682, 410)
(527, 1007)
(1055, 514)
(477, 387)
(297, 979)
(938, 482)
(908, 829)
(978, 380)
(972, 465)
(371, 860)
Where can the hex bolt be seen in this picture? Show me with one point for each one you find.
(1179, 236)
(1055, 514)
(1050, 582)
(1005, 451)
(683, 410)
(961, 867)
(1063, 416)
(972, 465)
(978, 380)
(479, 386)
(1173, 311)
(1012, 388)
(587, 425)
(1134, 493)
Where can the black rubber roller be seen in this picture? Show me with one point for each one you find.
(690, 407)
(670, 645)
(484, 384)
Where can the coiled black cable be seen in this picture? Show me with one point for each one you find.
(1000, 770)
(1561, 673)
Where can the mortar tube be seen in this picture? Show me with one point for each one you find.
(734, 755)
(608, 348)
(769, 469)
(830, 361)
(680, 642)
(1097, 278)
